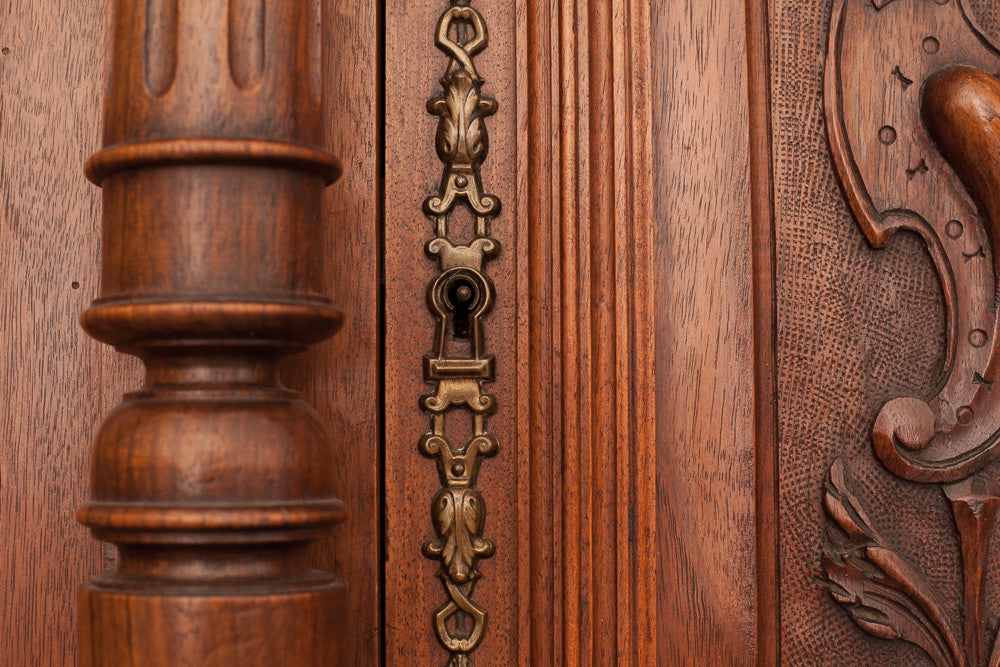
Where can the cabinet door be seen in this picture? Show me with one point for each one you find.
(633, 366)
(737, 419)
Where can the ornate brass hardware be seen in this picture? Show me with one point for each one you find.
(460, 298)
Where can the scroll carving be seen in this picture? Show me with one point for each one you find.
(460, 298)
(916, 145)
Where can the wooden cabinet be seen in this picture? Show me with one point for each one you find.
(632, 364)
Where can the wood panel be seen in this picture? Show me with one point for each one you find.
(857, 326)
(705, 350)
(413, 172)
(341, 377)
(569, 494)
(51, 78)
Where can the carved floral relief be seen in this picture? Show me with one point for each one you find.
(912, 108)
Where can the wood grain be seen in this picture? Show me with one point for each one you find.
(705, 335)
(584, 290)
(341, 377)
(51, 78)
(212, 478)
(637, 223)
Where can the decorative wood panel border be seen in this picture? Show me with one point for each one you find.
(585, 391)
(763, 253)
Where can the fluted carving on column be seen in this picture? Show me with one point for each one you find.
(212, 478)
(160, 45)
(247, 41)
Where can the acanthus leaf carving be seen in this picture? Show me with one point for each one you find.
(926, 160)
(883, 593)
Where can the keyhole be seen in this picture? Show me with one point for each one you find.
(463, 297)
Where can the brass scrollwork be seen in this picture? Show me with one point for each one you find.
(460, 298)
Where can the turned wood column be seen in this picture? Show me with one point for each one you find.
(212, 478)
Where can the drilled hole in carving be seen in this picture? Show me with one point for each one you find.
(887, 135)
(978, 338)
(979, 252)
(954, 229)
(931, 45)
(964, 415)
(75, 285)
(977, 378)
(5, 50)
(941, 2)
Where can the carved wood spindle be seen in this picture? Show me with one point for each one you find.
(212, 478)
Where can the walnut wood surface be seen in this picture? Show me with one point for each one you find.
(51, 78)
(765, 327)
(704, 336)
(858, 327)
(591, 154)
(212, 478)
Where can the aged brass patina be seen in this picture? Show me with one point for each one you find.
(460, 298)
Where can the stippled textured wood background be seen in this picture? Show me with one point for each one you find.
(856, 326)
